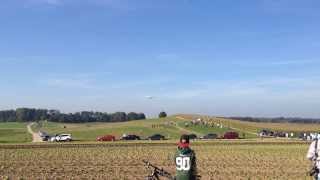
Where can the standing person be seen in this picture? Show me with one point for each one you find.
(185, 160)
(313, 155)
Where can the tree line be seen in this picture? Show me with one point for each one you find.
(31, 114)
(277, 119)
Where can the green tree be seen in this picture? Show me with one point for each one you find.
(23, 114)
(119, 117)
(132, 116)
(141, 116)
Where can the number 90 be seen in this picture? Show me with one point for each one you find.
(183, 163)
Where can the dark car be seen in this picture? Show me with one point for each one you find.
(280, 134)
(106, 138)
(231, 135)
(156, 137)
(130, 137)
(45, 138)
(210, 136)
(266, 132)
(192, 136)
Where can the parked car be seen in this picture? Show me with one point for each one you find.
(210, 136)
(61, 137)
(130, 137)
(266, 132)
(231, 135)
(44, 136)
(52, 139)
(106, 138)
(192, 136)
(156, 137)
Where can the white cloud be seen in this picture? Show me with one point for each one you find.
(269, 97)
(275, 87)
(274, 63)
(45, 2)
(116, 4)
(294, 62)
(76, 80)
(168, 56)
(69, 83)
(289, 6)
(52, 2)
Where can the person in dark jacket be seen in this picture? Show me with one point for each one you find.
(185, 160)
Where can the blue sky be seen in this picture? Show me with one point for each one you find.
(217, 57)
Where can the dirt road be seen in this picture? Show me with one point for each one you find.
(35, 136)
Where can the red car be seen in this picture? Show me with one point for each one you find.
(106, 138)
(231, 135)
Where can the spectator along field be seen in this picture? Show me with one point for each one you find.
(250, 158)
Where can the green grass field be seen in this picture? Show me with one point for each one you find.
(170, 127)
(12, 132)
(89, 131)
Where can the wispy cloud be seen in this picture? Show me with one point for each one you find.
(272, 87)
(168, 56)
(53, 2)
(273, 63)
(116, 4)
(92, 81)
(187, 93)
(45, 2)
(294, 62)
(76, 80)
(289, 6)
(69, 83)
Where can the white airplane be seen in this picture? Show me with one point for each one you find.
(149, 97)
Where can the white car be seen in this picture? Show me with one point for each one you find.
(61, 137)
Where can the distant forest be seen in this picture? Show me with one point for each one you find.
(31, 114)
(277, 119)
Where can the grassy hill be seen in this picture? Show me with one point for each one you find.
(255, 127)
(171, 127)
(89, 131)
